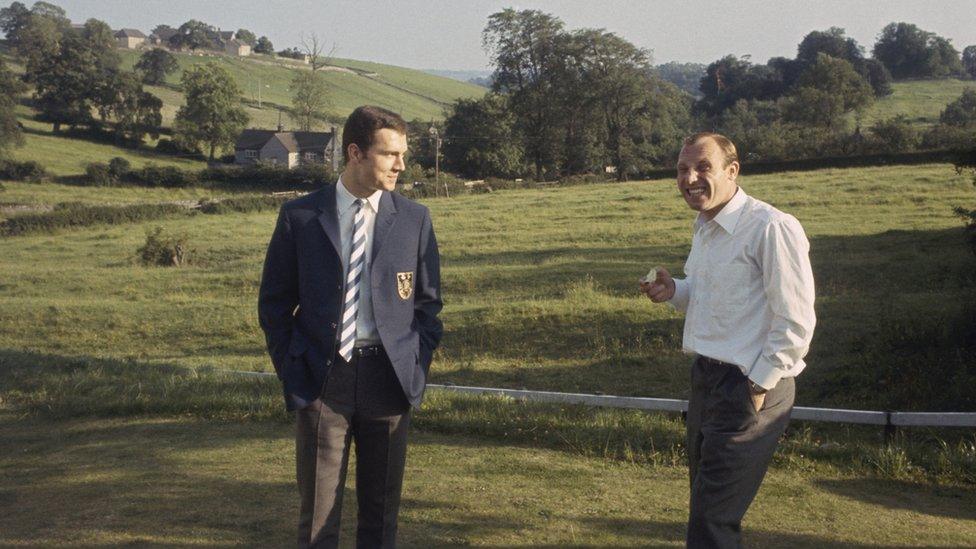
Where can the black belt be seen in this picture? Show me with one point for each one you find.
(368, 350)
(709, 360)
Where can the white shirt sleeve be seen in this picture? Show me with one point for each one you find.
(682, 294)
(789, 289)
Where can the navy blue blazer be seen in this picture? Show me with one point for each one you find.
(300, 301)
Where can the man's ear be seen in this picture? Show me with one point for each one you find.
(354, 152)
(733, 170)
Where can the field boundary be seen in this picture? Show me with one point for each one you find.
(887, 419)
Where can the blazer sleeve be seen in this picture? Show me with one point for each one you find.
(278, 295)
(427, 301)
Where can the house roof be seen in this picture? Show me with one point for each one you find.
(293, 141)
(226, 35)
(130, 33)
(165, 34)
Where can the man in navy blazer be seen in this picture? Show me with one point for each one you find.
(348, 303)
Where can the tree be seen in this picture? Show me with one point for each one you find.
(312, 47)
(826, 91)
(135, 111)
(246, 36)
(13, 20)
(160, 30)
(155, 64)
(39, 38)
(969, 60)
(910, 52)
(962, 111)
(264, 46)
(527, 51)
(877, 76)
(832, 42)
(310, 100)
(194, 35)
(73, 73)
(686, 76)
(480, 139)
(731, 79)
(213, 116)
(10, 132)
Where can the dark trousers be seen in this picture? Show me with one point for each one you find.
(730, 446)
(363, 402)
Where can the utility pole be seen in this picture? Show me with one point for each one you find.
(435, 135)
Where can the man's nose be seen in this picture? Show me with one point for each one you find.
(400, 164)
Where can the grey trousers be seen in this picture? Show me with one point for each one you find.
(362, 403)
(730, 446)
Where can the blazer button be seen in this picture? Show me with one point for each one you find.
(333, 325)
(328, 362)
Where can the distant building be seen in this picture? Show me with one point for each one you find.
(237, 48)
(289, 149)
(130, 38)
(161, 37)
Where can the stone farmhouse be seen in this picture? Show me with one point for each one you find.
(130, 38)
(289, 149)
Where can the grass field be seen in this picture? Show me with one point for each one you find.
(886, 249)
(114, 480)
(412, 93)
(111, 414)
(920, 100)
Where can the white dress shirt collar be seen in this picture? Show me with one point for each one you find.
(345, 199)
(728, 216)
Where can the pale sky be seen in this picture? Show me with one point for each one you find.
(443, 34)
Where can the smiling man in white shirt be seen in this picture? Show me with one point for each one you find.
(748, 298)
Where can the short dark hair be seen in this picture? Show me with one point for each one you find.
(724, 143)
(364, 122)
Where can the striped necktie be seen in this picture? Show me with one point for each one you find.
(357, 259)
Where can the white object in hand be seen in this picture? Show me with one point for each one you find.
(651, 275)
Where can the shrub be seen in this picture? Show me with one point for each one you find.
(118, 167)
(243, 204)
(152, 175)
(894, 135)
(270, 176)
(21, 171)
(98, 174)
(72, 214)
(164, 250)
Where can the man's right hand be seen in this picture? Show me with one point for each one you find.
(660, 289)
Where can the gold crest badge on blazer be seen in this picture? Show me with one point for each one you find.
(405, 284)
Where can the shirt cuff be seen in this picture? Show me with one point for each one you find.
(765, 374)
(681, 294)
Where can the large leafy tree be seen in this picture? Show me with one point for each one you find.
(246, 36)
(480, 138)
(193, 35)
(155, 64)
(135, 112)
(13, 20)
(969, 60)
(527, 50)
(910, 52)
(264, 46)
(213, 116)
(309, 100)
(826, 91)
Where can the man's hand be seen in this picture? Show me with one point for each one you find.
(660, 289)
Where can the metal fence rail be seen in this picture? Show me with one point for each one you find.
(805, 413)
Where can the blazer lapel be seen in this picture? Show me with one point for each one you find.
(384, 220)
(328, 217)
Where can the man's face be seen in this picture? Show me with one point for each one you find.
(703, 179)
(378, 167)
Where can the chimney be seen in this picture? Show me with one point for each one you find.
(280, 127)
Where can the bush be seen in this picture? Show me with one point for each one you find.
(98, 174)
(243, 204)
(21, 171)
(118, 168)
(894, 135)
(164, 176)
(270, 176)
(72, 214)
(164, 250)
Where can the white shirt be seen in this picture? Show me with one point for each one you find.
(366, 332)
(749, 293)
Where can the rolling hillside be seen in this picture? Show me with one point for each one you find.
(920, 100)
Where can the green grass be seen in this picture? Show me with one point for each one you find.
(542, 301)
(95, 451)
(412, 93)
(922, 101)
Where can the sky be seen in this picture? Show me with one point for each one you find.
(446, 35)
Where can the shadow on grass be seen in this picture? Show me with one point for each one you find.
(894, 494)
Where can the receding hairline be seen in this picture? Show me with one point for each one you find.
(724, 144)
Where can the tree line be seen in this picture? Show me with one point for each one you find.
(570, 102)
